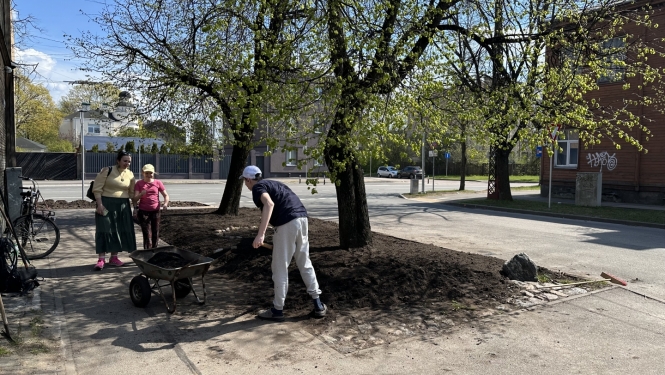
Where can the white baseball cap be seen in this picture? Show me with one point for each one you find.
(252, 172)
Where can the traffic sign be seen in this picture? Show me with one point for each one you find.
(539, 151)
(433, 154)
(447, 155)
(555, 129)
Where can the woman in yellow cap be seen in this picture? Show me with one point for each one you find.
(147, 212)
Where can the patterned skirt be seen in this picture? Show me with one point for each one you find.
(115, 231)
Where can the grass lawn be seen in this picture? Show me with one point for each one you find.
(618, 213)
(533, 179)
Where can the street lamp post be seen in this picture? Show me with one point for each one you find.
(85, 107)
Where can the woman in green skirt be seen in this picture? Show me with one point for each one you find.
(114, 230)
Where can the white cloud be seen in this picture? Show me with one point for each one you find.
(51, 73)
(44, 62)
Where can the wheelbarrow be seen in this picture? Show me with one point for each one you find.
(179, 278)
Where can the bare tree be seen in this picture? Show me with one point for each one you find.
(196, 59)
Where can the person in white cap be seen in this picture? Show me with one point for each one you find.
(147, 211)
(282, 208)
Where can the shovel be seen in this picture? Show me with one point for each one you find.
(4, 321)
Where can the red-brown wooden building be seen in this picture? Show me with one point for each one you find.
(628, 175)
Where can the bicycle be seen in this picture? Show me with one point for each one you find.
(38, 233)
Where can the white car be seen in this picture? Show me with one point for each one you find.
(386, 171)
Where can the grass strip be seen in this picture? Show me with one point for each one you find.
(605, 212)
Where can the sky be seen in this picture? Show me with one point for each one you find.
(47, 47)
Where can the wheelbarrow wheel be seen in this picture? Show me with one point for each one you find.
(139, 291)
(182, 288)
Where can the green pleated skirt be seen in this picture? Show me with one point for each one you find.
(115, 232)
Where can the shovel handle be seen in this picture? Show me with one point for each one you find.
(267, 246)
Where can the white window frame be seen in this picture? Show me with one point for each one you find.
(569, 141)
(291, 158)
(96, 128)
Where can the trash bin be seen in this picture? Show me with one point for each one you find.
(414, 186)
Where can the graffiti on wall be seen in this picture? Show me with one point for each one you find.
(604, 159)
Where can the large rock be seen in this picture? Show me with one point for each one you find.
(520, 268)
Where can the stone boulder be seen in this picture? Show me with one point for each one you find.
(521, 268)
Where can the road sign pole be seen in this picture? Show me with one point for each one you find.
(433, 172)
(423, 160)
(446, 165)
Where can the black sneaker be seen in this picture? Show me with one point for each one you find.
(270, 314)
(320, 313)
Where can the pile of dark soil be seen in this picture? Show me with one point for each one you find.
(50, 204)
(168, 260)
(390, 275)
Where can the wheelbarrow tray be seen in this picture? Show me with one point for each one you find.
(198, 267)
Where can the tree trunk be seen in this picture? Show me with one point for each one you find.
(354, 227)
(462, 179)
(234, 185)
(503, 174)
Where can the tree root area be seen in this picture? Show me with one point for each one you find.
(399, 285)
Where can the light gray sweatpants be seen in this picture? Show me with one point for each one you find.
(290, 241)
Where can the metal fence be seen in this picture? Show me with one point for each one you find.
(202, 164)
(173, 164)
(48, 166)
(95, 162)
(167, 164)
(224, 166)
(139, 160)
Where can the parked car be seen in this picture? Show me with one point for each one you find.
(410, 172)
(386, 171)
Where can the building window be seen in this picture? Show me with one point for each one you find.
(94, 129)
(567, 149)
(291, 158)
(612, 56)
(317, 162)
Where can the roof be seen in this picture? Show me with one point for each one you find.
(94, 113)
(28, 144)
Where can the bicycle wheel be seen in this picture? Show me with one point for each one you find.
(11, 257)
(38, 234)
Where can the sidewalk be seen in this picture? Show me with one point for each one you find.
(98, 331)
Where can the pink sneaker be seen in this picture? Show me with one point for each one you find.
(100, 264)
(114, 261)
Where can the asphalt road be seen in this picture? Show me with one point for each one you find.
(580, 247)
(211, 193)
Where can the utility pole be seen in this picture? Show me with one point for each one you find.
(85, 107)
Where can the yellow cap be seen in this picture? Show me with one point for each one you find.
(149, 168)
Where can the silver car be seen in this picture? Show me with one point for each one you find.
(386, 171)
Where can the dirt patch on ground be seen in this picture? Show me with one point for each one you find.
(50, 204)
(392, 289)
